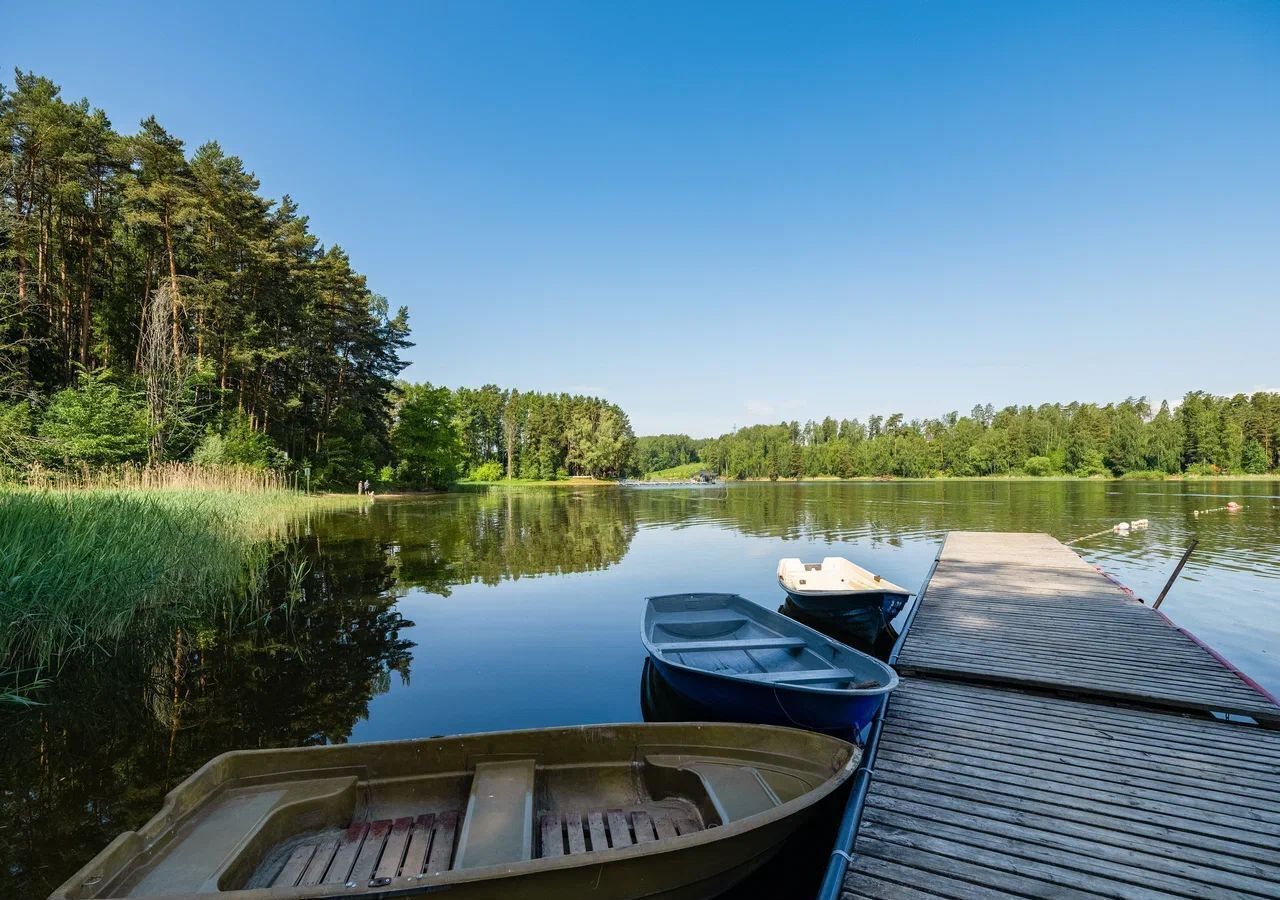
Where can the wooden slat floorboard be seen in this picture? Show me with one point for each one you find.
(1052, 738)
(1072, 809)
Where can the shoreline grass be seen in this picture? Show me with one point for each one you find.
(89, 567)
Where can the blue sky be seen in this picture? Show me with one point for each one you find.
(719, 214)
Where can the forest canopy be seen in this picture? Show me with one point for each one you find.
(158, 280)
(1204, 435)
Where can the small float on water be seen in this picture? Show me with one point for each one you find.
(838, 588)
(757, 665)
(610, 811)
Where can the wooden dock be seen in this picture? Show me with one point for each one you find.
(1055, 737)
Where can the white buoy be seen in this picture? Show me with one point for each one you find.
(1120, 527)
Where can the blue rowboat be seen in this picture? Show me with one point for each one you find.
(752, 664)
(838, 589)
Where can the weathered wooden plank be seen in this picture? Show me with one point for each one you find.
(319, 864)
(367, 859)
(1158, 762)
(345, 856)
(415, 855)
(619, 830)
(663, 824)
(573, 831)
(441, 856)
(595, 826)
(1248, 824)
(552, 835)
(394, 849)
(643, 826)
(294, 866)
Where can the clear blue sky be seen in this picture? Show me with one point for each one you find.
(717, 214)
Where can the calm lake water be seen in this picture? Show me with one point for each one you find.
(513, 609)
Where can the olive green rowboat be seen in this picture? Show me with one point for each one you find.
(602, 811)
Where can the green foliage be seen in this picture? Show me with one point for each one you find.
(1038, 466)
(1254, 458)
(81, 568)
(425, 437)
(94, 423)
(1207, 434)
(676, 473)
(490, 470)
(238, 445)
(1144, 475)
(256, 315)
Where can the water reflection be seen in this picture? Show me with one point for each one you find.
(522, 609)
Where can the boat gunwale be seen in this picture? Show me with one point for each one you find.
(744, 679)
(165, 822)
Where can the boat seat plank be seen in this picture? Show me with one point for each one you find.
(735, 791)
(319, 863)
(393, 851)
(780, 643)
(573, 831)
(701, 617)
(619, 830)
(367, 858)
(415, 855)
(294, 866)
(595, 825)
(348, 846)
(552, 835)
(442, 843)
(643, 826)
(801, 676)
(498, 824)
(664, 825)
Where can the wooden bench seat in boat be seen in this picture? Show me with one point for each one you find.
(764, 643)
(498, 824)
(800, 676)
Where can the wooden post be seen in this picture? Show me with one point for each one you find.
(1177, 571)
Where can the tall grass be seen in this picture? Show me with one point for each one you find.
(88, 567)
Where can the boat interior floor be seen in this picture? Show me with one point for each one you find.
(510, 810)
(735, 646)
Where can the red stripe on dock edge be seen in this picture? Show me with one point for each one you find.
(1228, 664)
(1117, 583)
(1222, 659)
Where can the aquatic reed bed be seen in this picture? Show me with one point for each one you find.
(87, 568)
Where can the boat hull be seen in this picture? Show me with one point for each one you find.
(734, 700)
(679, 811)
(860, 606)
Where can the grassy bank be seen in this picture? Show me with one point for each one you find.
(86, 568)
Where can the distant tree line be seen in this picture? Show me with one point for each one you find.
(154, 306)
(1205, 435)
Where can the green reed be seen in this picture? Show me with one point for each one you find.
(86, 569)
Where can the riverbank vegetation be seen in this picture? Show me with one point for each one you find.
(1204, 435)
(154, 306)
(84, 567)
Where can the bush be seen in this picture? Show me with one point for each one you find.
(1203, 468)
(1038, 466)
(239, 445)
(1144, 475)
(487, 471)
(94, 423)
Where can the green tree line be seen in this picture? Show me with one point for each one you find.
(1205, 434)
(490, 433)
(154, 305)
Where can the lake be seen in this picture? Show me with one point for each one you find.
(496, 609)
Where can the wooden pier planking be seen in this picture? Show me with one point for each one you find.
(1023, 609)
(1052, 737)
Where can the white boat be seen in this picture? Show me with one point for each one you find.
(838, 587)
